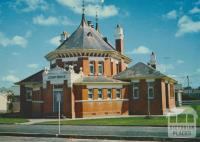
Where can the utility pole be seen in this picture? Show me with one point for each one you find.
(188, 84)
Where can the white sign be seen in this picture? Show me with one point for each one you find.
(58, 97)
(185, 129)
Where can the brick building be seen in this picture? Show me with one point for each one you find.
(92, 78)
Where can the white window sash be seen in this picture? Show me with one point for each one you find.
(151, 97)
(135, 97)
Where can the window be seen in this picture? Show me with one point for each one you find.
(117, 67)
(91, 68)
(118, 93)
(99, 93)
(136, 91)
(90, 94)
(109, 93)
(150, 90)
(100, 66)
(28, 94)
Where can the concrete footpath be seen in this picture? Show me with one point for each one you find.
(92, 132)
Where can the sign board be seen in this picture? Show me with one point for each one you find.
(58, 97)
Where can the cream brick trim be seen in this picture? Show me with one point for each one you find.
(38, 102)
(102, 100)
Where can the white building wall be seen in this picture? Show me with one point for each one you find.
(3, 103)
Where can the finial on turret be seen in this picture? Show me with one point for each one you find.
(83, 13)
(97, 25)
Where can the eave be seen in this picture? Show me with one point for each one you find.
(86, 53)
(107, 83)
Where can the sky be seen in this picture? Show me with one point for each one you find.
(30, 29)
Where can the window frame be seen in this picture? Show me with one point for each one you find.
(119, 93)
(92, 65)
(151, 86)
(100, 64)
(29, 94)
(110, 93)
(92, 94)
(100, 98)
(136, 87)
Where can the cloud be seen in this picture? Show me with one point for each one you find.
(10, 78)
(41, 20)
(195, 10)
(30, 5)
(16, 40)
(180, 61)
(32, 66)
(55, 40)
(90, 8)
(15, 53)
(187, 25)
(141, 50)
(165, 67)
(48, 21)
(28, 34)
(171, 15)
(198, 70)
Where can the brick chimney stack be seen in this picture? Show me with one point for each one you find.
(119, 39)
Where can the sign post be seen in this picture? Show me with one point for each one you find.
(58, 100)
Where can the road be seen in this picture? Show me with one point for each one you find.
(36, 139)
(117, 131)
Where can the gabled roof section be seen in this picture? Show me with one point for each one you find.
(35, 78)
(141, 71)
(85, 37)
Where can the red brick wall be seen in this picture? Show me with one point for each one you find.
(25, 107)
(140, 106)
(37, 107)
(68, 102)
(119, 43)
(107, 67)
(48, 99)
(172, 97)
(99, 108)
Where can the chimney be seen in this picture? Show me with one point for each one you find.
(105, 39)
(92, 26)
(89, 23)
(64, 36)
(152, 62)
(119, 39)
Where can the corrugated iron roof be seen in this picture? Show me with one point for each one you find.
(35, 78)
(140, 70)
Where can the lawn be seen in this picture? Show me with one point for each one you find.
(12, 120)
(126, 121)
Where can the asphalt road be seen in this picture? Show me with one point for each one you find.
(118, 131)
(36, 139)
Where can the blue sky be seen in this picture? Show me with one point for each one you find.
(29, 29)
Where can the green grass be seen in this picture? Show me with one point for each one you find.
(127, 121)
(12, 120)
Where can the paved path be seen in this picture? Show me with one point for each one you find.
(116, 131)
